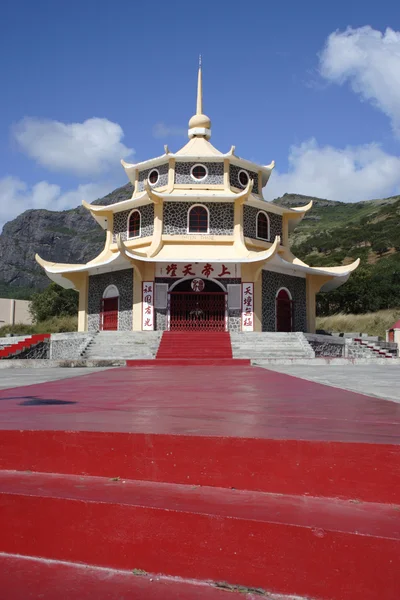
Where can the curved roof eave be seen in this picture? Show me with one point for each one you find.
(250, 258)
(335, 272)
(52, 268)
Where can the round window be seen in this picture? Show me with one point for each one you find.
(153, 176)
(243, 178)
(198, 172)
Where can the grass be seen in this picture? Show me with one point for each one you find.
(53, 325)
(373, 323)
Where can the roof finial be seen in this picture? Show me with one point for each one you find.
(199, 109)
(200, 124)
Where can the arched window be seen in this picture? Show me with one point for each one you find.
(262, 226)
(198, 219)
(134, 224)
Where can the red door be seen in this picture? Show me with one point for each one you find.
(109, 314)
(284, 312)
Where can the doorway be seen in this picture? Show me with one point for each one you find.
(284, 310)
(192, 310)
(109, 309)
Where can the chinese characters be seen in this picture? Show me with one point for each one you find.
(148, 306)
(247, 306)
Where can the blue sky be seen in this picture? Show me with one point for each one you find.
(86, 83)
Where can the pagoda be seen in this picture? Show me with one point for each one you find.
(197, 247)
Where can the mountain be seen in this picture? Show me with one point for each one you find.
(332, 233)
(70, 236)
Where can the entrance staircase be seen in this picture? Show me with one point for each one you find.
(224, 514)
(124, 345)
(196, 347)
(267, 346)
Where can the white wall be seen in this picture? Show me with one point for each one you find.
(14, 311)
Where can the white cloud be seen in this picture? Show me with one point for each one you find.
(370, 61)
(88, 148)
(161, 130)
(349, 174)
(16, 196)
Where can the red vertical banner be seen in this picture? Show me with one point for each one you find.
(148, 305)
(247, 306)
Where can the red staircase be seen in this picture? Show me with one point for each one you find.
(191, 348)
(278, 515)
(28, 342)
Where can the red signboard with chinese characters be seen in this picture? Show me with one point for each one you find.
(247, 307)
(148, 306)
(207, 270)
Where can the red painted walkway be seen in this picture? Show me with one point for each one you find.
(210, 473)
(207, 401)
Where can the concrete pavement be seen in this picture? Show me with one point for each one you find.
(382, 381)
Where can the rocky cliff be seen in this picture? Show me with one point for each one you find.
(70, 236)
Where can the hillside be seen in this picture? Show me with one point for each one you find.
(332, 233)
(335, 233)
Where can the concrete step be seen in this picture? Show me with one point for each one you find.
(247, 538)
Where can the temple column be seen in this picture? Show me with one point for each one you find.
(83, 303)
(313, 286)
(310, 299)
(137, 299)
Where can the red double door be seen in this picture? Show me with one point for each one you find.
(109, 314)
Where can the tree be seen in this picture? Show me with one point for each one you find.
(54, 301)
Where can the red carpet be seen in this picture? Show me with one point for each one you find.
(207, 473)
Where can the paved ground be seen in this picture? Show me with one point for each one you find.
(205, 401)
(11, 378)
(382, 381)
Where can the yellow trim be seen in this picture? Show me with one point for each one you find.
(226, 174)
(201, 238)
(199, 186)
(83, 303)
(313, 286)
(171, 174)
(156, 244)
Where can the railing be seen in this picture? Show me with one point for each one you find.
(29, 342)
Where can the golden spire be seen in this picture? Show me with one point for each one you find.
(199, 124)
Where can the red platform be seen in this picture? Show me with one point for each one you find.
(211, 473)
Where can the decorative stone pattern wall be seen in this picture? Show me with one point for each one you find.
(146, 222)
(271, 283)
(326, 345)
(215, 173)
(162, 180)
(234, 315)
(234, 178)
(68, 345)
(123, 280)
(250, 223)
(175, 220)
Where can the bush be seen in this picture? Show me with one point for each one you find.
(53, 325)
(54, 301)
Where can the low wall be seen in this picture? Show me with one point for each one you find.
(326, 345)
(68, 346)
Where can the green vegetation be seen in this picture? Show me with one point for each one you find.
(53, 325)
(54, 301)
(375, 323)
(18, 293)
(336, 233)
